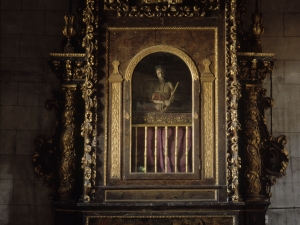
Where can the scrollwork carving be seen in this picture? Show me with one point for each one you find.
(47, 155)
(89, 128)
(164, 8)
(158, 118)
(252, 142)
(67, 162)
(233, 94)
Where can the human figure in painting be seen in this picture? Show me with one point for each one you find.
(163, 92)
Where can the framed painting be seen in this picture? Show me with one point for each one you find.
(161, 106)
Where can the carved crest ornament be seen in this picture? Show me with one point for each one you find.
(254, 158)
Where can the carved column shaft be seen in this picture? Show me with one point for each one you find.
(252, 142)
(264, 157)
(67, 163)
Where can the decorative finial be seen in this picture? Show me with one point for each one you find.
(69, 29)
(257, 29)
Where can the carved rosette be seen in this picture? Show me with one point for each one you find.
(233, 94)
(265, 157)
(158, 8)
(67, 162)
(89, 127)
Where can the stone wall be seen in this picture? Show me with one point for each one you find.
(32, 29)
(282, 37)
(29, 31)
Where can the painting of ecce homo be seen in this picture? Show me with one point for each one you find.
(161, 83)
(161, 89)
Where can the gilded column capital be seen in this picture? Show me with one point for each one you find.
(68, 67)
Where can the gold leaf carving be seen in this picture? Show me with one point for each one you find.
(67, 162)
(208, 129)
(88, 128)
(115, 130)
(233, 94)
(162, 118)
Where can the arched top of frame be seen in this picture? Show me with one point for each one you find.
(161, 48)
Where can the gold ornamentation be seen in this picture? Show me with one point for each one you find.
(257, 29)
(68, 66)
(115, 76)
(161, 48)
(115, 79)
(67, 162)
(69, 31)
(116, 130)
(233, 94)
(266, 159)
(161, 8)
(208, 129)
(196, 116)
(207, 79)
(254, 67)
(67, 55)
(89, 128)
(162, 118)
(173, 2)
(252, 142)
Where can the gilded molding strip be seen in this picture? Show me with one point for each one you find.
(208, 83)
(115, 114)
(115, 131)
(208, 129)
(255, 54)
(216, 109)
(68, 55)
(233, 94)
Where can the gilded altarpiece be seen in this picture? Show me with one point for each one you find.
(170, 127)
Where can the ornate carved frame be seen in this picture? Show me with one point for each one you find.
(204, 111)
(263, 157)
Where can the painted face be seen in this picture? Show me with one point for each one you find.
(159, 73)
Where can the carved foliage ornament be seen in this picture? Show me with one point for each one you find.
(89, 128)
(162, 8)
(233, 94)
